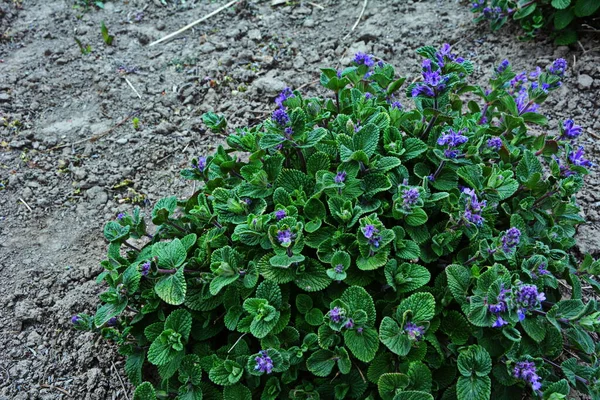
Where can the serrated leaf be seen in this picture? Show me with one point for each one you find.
(474, 388)
(145, 391)
(171, 288)
(133, 367)
(413, 148)
(321, 362)
(363, 345)
(458, 282)
(357, 298)
(171, 254)
(180, 321)
(389, 384)
(237, 392)
(561, 4)
(421, 307)
(474, 361)
(585, 8)
(393, 337)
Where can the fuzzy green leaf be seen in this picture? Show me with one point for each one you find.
(171, 288)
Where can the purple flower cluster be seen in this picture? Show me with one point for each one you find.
(527, 298)
(499, 307)
(281, 117)
(340, 177)
(433, 82)
(494, 143)
(527, 371)
(541, 271)
(201, 164)
(75, 319)
(112, 322)
(570, 130)
(397, 105)
(339, 269)
(121, 216)
(349, 323)
(285, 237)
(452, 139)
(370, 232)
(524, 104)
(283, 96)
(473, 208)
(264, 363)
(415, 332)
(576, 158)
(410, 196)
(336, 314)
(145, 268)
(478, 4)
(445, 53)
(511, 239)
(492, 13)
(504, 64)
(363, 59)
(280, 214)
(558, 67)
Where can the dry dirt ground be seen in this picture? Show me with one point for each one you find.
(54, 202)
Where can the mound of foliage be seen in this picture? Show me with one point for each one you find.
(366, 250)
(561, 17)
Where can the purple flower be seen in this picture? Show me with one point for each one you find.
(542, 269)
(410, 196)
(475, 6)
(368, 96)
(339, 73)
(335, 314)
(340, 177)
(434, 82)
(397, 105)
(452, 138)
(280, 214)
(536, 73)
(75, 319)
(339, 268)
(511, 239)
(576, 158)
(527, 298)
(349, 323)
(524, 104)
(499, 322)
(121, 215)
(414, 331)
(363, 59)
(518, 82)
(494, 143)
(369, 230)
(473, 208)
(570, 130)
(422, 90)
(492, 13)
(527, 371)
(285, 237)
(281, 117)
(201, 164)
(145, 268)
(503, 66)
(288, 132)
(283, 96)
(139, 16)
(263, 362)
(112, 322)
(359, 330)
(445, 53)
(558, 67)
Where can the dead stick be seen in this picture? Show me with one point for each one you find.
(185, 28)
(120, 380)
(26, 205)
(358, 20)
(56, 388)
(95, 137)
(132, 88)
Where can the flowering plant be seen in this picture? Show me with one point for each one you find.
(561, 16)
(365, 248)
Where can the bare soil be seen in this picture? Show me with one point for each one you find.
(54, 202)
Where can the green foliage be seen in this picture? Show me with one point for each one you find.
(560, 18)
(108, 38)
(364, 251)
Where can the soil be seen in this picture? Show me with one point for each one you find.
(55, 201)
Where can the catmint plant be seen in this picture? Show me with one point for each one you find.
(559, 17)
(365, 250)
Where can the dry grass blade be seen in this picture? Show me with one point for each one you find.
(357, 20)
(189, 26)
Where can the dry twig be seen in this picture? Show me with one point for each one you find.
(189, 26)
(26, 205)
(358, 20)
(63, 391)
(120, 380)
(132, 88)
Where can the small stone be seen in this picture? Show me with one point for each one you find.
(254, 34)
(164, 128)
(4, 97)
(309, 23)
(585, 81)
(121, 141)
(207, 48)
(269, 85)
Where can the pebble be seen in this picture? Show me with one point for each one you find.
(584, 81)
(4, 97)
(269, 85)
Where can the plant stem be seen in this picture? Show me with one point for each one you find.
(438, 170)
(174, 225)
(543, 197)
(126, 243)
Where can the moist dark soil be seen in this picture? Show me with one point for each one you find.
(71, 159)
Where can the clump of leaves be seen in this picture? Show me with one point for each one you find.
(85, 50)
(561, 17)
(364, 248)
(108, 38)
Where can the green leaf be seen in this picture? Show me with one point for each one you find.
(566, 37)
(171, 288)
(303, 303)
(163, 209)
(171, 254)
(389, 384)
(145, 391)
(406, 277)
(363, 345)
(357, 298)
(413, 148)
(421, 307)
(161, 351)
(474, 388)
(455, 325)
(535, 328)
(109, 310)
(133, 367)
(321, 362)
(535, 118)
(474, 361)
(417, 217)
(114, 232)
(181, 322)
(314, 317)
(237, 392)
(108, 39)
(561, 4)
(271, 292)
(413, 395)
(585, 8)
(366, 139)
(393, 337)
(226, 373)
(563, 18)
